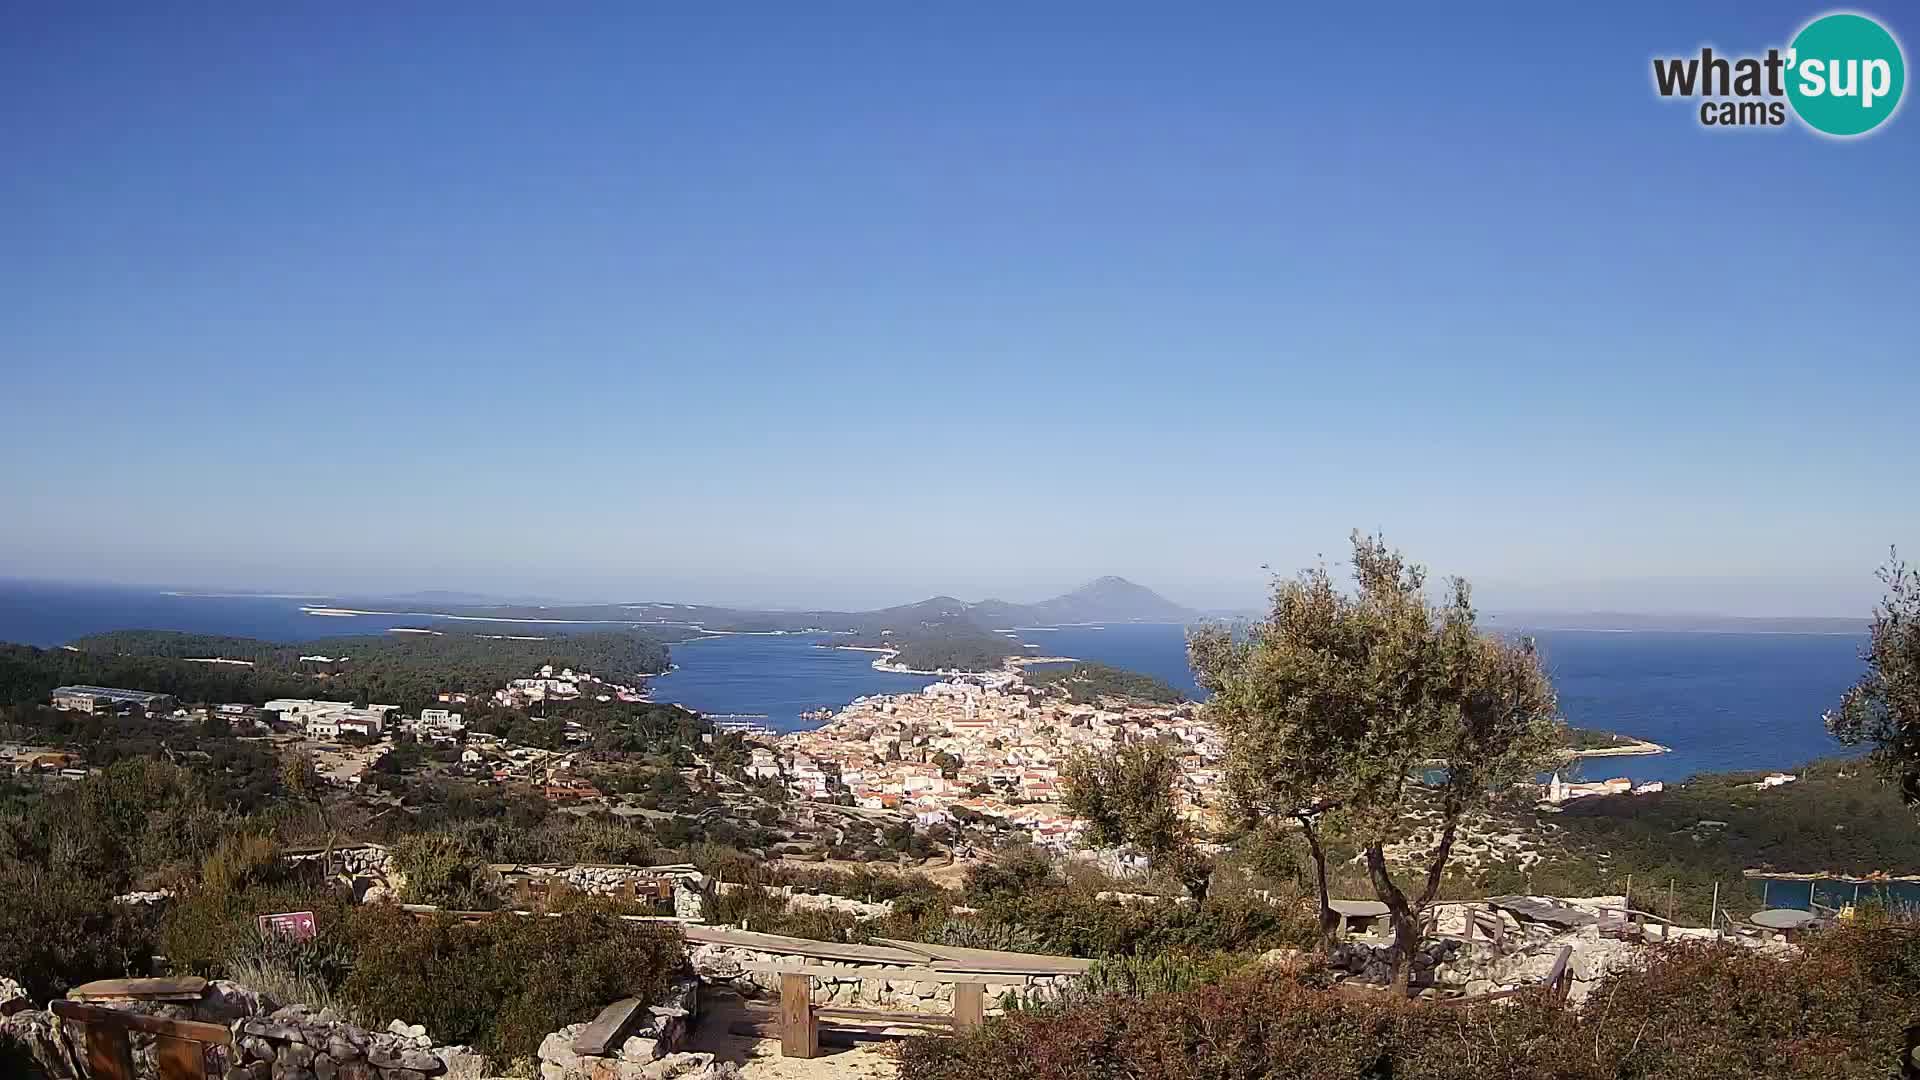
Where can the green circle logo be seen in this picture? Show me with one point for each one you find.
(1845, 74)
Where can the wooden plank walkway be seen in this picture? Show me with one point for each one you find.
(953, 958)
(820, 950)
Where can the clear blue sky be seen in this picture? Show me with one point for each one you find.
(861, 304)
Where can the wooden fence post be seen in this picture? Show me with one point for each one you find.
(799, 1033)
(969, 1006)
(109, 1056)
(180, 1059)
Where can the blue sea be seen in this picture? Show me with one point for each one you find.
(1721, 701)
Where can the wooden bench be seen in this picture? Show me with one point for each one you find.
(800, 1018)
(180, 1046)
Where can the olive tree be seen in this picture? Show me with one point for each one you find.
(1375, 707)
(1127, 800)
(1883, 710)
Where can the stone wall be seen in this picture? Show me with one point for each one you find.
(297, 1043)
(367, 867)
(753, 973)
(610, 880)
(650, 1049)
(269, 1043)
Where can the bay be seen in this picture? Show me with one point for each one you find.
(1722, 701)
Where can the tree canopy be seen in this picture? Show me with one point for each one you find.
(1370, 704)
(1126, 798)
(404, 669)
(1882, 711)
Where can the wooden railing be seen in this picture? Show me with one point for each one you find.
(799, 1020)
(180, 1046)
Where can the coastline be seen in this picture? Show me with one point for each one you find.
(1636, 748)
(885, 662)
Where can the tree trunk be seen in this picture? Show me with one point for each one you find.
(1406, 937)
(1329, 922)
(1439, 865)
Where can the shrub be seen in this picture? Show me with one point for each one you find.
(750, 907)
(57, 931)
(1161, 973)
(205, 929)
(289, 970)
(1076, 923)
(503, 983)
(1016, 872)
(1837, 1010)
(240, 862)
(442, 871)
(985, 934)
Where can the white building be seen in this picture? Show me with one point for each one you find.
(763, 765)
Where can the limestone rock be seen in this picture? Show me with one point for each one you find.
(419, 1061)
(463, 1063)
(639, 1048)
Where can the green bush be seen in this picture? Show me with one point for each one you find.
(442, 871)
(205, 929)
(750, 907)
(57, 931)
(965, 933)
(1074, 923)
(289, 969)
(1160, 973)
(240, 862)
(503, 983)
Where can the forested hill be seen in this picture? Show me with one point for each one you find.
(939, 633)
(401, 669)
(1091, 683)
(1106, 599)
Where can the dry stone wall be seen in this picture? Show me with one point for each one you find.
(611, 880)
(269, 1043)
(754, 973)
(367, 867)
(650, 1049)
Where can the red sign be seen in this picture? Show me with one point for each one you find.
(297, 925)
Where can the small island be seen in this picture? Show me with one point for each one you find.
(1592, 742)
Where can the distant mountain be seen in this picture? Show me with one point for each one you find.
(1111, 599)
(940, 631)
